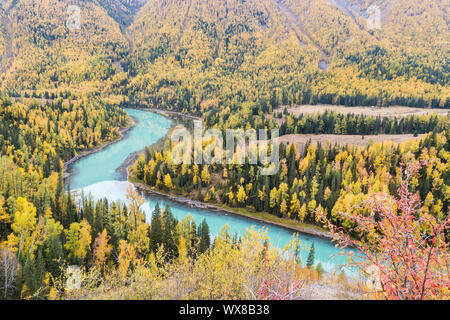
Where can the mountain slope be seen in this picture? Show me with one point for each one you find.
(47, 54)
(230, 60)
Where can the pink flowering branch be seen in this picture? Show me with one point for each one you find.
(405, 245)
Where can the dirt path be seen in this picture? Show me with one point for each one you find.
(296, 24)
(217, 48)
(127, 34)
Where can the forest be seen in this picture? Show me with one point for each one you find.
(43, 235)
(227, 58)
(40, 136)
(353, 124)
(45, 228)
(333, 177)
(67, 70)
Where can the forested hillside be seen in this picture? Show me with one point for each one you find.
(239, 57)
(253, 56)
(41, 136)
(47, 54)
(336, 178)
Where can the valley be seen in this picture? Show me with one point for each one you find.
(98, 179)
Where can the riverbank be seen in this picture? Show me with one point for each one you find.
(263, 217)
(132, 158)
(176, 119)
(165, 113)
(122, 132)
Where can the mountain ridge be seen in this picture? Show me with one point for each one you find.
(197, 55)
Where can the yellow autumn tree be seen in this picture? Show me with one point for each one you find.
(102, 249)
(4, 216)
(78, 243)
(27, 233)
(241, 195)
(135, 201)
(295, 206)
(127, 257)
(206, 177)
(168, 182)
(140, 240)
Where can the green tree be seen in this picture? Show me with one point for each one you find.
(205, 239)
(311, 257)
(156, 231)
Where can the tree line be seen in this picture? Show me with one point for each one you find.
(333, 177)
(42, 135)
(330, 122)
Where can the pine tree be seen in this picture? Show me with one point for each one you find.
(291, 165)
(71, 211)
(311, 257)
(205, 240)
(169, 242)
(199, 190)
(52, 252)
(40, 270)
(194, 238)
(156, 232)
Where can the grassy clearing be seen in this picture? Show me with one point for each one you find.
(394, 111)
(359, 140)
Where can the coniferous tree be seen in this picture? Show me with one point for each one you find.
(169, 224)
(156, 230)
(311, 257)
(205, 239)
(54, 255)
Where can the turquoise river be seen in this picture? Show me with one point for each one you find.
(97, 175)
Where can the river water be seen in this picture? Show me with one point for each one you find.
(97, 175)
